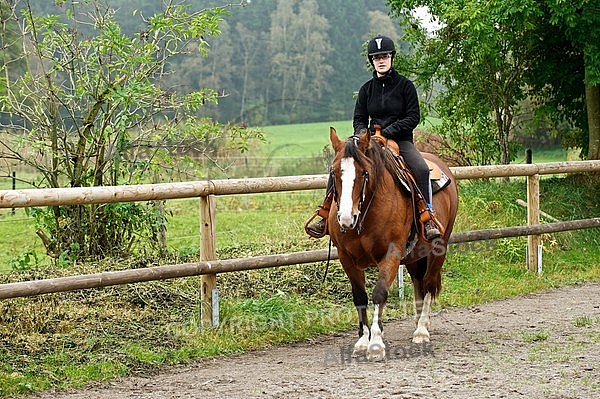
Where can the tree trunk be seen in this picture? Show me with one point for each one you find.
(503, 122)
(592, 99)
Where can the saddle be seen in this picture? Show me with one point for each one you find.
(405, 179)
(407, 183)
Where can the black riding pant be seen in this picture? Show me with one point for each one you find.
(418, 167)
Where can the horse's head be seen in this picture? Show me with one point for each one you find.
(352, 169)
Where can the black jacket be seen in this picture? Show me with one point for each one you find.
(390, 101)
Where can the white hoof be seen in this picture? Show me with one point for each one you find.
(361, 346)
(376, 352)
(420, 335)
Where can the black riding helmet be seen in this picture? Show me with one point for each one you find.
(380, 45)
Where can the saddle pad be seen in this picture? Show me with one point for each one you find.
(435, 173)
(438, 179)
(438, 184)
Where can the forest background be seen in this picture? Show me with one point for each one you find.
(275, 61)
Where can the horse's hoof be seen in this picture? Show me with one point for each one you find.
(361, 346)
(359, 352)
(376, 353)
(420, 335)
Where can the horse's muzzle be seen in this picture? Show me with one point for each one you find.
(348, 222)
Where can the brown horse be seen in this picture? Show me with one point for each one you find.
(371, 223)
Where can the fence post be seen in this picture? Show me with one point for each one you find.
(208, 252)
(533, 217)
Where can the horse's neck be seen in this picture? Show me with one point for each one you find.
(387, 194)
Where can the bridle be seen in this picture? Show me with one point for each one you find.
(362, 198)
(361, 201)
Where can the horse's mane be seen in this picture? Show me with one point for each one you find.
(374, 158)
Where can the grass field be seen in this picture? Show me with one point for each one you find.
(294, 148)
(302, 140)
(72, 339)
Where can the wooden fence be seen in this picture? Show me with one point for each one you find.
(207, 191)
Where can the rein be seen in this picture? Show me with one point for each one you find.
(328, 261)
(361, 216)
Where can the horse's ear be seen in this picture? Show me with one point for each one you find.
(365, 140)
(335, 140)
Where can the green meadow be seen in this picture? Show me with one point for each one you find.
(288, 150)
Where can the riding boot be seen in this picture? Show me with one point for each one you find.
(431, 230)
(318, 229)
(431, 227)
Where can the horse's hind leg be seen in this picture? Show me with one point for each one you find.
(417, 271)
(421, 334)
(417, 298)
(426, 283)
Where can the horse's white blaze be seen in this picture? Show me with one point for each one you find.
(348, 177)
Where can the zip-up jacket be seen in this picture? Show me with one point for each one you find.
(390, 101)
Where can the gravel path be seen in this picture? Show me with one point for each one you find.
(545, 345)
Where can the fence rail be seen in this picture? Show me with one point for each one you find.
(163, 191)
(209, 267)
(106, 279)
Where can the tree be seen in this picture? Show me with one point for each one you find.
(298, 46)
(381, 23)
(567, 67)
(479, 56)
(250, 50)
(11, 53)
(93, 109)
(548, 50)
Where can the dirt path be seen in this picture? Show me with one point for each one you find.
(540, 346)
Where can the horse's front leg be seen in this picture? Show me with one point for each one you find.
(361, 300)
(387, 274)
(376, 350)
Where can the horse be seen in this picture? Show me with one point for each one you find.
(371, 224)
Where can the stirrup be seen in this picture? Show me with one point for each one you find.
(434, 230)
(314, 233)
(323, 212)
